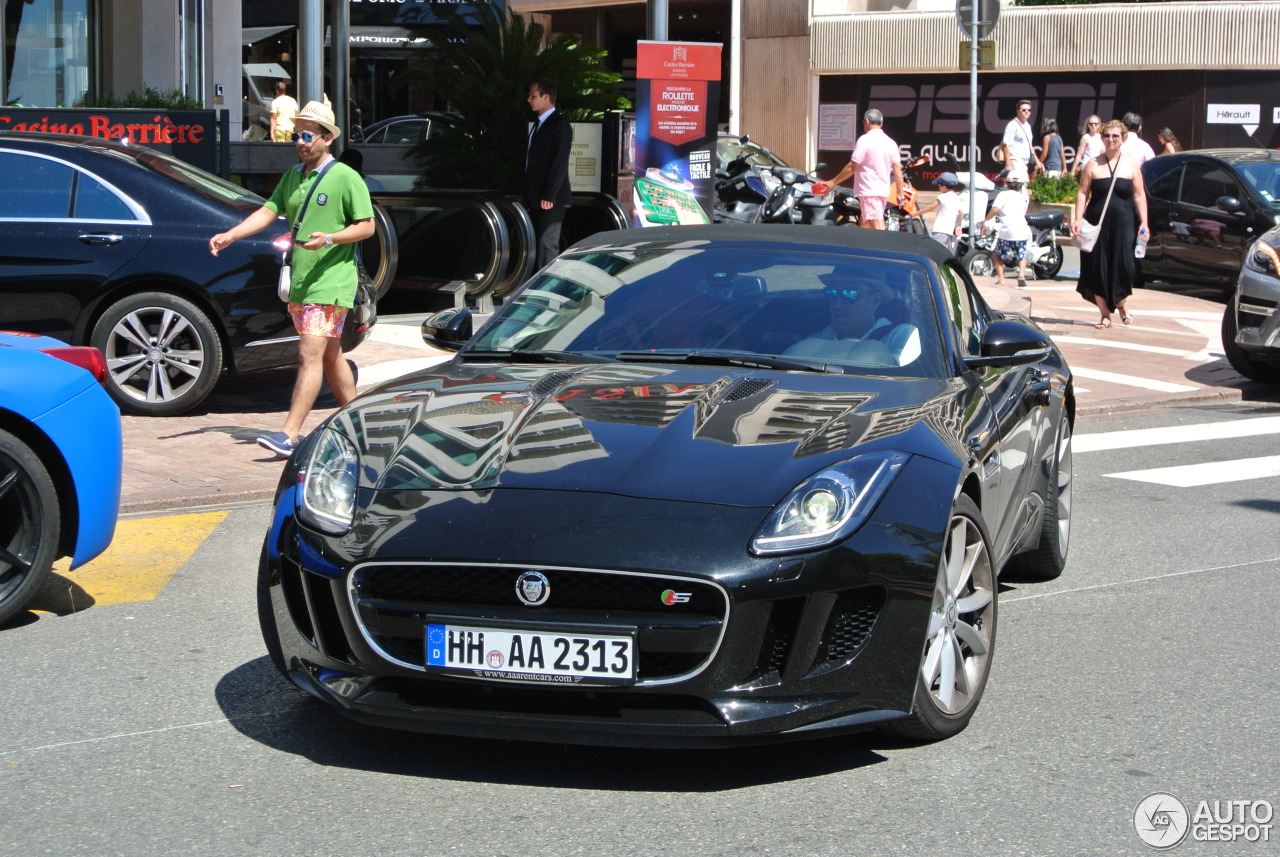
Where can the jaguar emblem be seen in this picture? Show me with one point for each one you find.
(533, 588)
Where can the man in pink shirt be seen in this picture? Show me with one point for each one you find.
(874, 162)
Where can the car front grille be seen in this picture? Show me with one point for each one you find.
(676, 635)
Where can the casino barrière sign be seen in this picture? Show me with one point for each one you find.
(188, 135)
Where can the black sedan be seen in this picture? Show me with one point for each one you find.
(107, 244)
(672, 493)
(1205, 209)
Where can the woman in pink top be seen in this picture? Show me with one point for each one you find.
(874, 163)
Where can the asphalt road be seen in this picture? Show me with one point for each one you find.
(157, 727)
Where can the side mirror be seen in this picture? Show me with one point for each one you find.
(744, 140)
(822, 165)
(449, 329)
(1230, 204)
(1010, 343)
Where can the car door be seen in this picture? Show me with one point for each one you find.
(1211, 240)
(1002, 428)
(1163, 180)
(63, 233)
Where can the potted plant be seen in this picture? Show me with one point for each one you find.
(1054, 193)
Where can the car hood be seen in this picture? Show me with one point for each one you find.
(698, 434)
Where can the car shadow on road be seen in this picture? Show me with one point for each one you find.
(259, 704)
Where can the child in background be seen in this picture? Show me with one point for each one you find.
(946, 223)
(1010, 206)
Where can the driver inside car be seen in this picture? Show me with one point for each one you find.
(868, 325)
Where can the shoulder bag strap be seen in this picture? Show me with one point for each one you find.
(297, 223)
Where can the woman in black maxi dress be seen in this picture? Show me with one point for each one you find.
(1108, 272)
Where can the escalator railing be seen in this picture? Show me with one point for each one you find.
(477, 244)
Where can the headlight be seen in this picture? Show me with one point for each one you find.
(828, 506)
(1264, 257)
(329, 484)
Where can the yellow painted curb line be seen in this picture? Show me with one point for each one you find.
(144, 555)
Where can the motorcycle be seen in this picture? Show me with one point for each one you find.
(794, 200)
(1044, 253)
(741, 189)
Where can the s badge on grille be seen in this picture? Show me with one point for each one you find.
(533, 588)
(672, 597)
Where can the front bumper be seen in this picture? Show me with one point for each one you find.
(765, 648)
(1258, 314)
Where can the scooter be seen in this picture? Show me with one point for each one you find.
(1044, 253)
(742, 189)
(794, 200)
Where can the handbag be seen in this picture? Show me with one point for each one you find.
(363, 315)
(285, 282)
(1089, 232)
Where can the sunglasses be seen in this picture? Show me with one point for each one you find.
(846, 295)
(1111, 136)
(304, 136)
(1095, 123)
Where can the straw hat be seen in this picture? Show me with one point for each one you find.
(316, 112)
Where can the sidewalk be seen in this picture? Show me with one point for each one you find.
(1171, 354)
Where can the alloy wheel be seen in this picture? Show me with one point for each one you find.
(958, 645)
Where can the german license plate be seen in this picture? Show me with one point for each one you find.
(528, 655)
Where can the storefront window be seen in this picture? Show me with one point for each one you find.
(48, 52)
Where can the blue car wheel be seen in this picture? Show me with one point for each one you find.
(29, 524)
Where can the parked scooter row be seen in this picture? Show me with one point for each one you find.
(749, 192)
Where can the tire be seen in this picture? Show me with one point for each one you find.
(1049, 558)
(163, 353)
(979, 263)
(267, 618)
(30, 525)
(1048, 267)
(1240, 360)
(962, 624)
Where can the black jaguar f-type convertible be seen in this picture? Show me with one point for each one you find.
(689, 485)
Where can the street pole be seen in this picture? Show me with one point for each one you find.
(735, 68)
(339, 63)
(657, 15)
(974, 35)
(310, 51)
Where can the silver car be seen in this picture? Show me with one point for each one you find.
(1251, 324)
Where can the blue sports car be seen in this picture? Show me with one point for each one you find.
(60, 461)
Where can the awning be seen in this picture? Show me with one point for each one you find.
(253, 35)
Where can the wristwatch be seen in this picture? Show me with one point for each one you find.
(328, 240)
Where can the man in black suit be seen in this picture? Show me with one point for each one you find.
(546, 171)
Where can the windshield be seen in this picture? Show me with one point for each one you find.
(1264, 178)
(729, 148)
(785, 309)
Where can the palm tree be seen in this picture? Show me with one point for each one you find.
(483, 64)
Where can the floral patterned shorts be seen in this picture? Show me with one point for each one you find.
(318, 319)
(1011, 252)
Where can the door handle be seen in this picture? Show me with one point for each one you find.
(98, 239)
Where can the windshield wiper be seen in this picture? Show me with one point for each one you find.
(519, 356)
(730, 358)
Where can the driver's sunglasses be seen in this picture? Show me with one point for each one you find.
(304, 136)
(846, 295)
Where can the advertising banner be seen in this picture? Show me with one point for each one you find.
(188, 135)
(677, 93)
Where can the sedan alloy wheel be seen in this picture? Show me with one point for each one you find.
(163, 353)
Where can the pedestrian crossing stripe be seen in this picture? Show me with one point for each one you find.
(1132, 438)
(1209, 473)
(143, 556)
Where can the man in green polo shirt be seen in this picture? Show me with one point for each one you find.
(338, 215)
